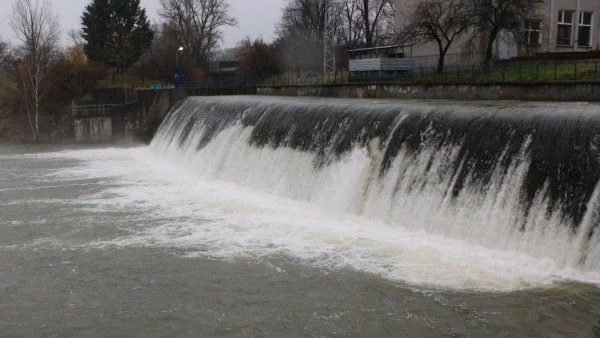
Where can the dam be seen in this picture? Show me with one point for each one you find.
(514, 176)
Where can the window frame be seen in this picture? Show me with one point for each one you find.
(581, 23)
(533, 27)
(561, 22)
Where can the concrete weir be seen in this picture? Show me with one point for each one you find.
(105, 121)
(505, 175)
(93, 123)
(500, 91)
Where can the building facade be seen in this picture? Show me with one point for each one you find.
(571, 25)
(555, 26)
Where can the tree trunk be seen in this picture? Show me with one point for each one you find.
(442, 56)
(489, 51)
(366, 22)
(441, 61)
(36, 136)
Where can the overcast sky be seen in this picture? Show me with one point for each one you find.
(256, 18)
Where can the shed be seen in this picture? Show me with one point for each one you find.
(382, 62)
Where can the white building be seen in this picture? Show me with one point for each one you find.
(558, 26)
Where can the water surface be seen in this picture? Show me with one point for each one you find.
(120, 242)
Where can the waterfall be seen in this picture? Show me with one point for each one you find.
(507, 176)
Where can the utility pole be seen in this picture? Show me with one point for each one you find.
(328, 46)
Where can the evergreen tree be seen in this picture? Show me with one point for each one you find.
(95, 23)
(116, 32)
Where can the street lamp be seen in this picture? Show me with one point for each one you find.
(179, 51)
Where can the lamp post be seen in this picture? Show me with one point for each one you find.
(179, 51)
(177, 78)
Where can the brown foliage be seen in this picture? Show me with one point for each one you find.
(257, 59)
(197, 26)
(70, 76)
(73, 76)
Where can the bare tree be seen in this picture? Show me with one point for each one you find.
(8, 71)
(161, 58)
(303, 27)
(3, 55)
(197, 25)
(258, 60)
(36, 26)
(353, 32)
(307, 17)
(372, 14)
(5, 70)
(76, 38)
(496, 16)
(440, 21)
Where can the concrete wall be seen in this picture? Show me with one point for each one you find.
(533, 92)
(93, 129)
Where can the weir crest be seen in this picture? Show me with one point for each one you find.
(508, 176)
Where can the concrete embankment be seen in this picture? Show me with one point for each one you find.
(143, 118)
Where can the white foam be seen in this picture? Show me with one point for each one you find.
(192, 206)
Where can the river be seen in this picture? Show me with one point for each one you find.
(117, 241)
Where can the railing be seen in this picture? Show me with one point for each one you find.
(522, 72)
(94, 110)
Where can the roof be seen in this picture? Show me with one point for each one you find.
(228, 54)
(375, 48)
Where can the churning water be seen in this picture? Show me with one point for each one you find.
(254, 216)
(480, 182)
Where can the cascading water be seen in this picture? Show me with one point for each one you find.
(515, 177)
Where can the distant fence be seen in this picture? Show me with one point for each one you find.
(501, 72)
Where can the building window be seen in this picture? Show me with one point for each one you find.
(565, 28)
(585, 29)
(532, 32)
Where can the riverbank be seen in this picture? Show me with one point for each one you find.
(143, 118)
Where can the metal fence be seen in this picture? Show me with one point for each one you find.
(94, 110)
(500, 72)
(86, 109)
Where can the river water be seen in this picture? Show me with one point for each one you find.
(118, 242)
